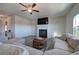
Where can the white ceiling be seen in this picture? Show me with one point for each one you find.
(46, 9)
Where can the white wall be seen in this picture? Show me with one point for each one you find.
(57, 25)
(69, 18)
(24, 27)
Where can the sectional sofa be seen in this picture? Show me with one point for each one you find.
(66, 44)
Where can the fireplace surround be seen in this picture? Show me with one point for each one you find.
(44, 30)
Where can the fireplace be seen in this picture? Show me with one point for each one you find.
(43, 33)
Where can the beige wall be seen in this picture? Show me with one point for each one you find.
(56, 26)
(69, 18)
(24, 27)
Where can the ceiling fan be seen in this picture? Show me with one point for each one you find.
(29, 8)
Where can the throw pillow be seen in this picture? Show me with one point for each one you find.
(73, 42)
(63, 37)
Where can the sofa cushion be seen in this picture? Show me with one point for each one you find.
(14, 40)
(60, 44)
(50, 44)
(73, 42)
(29, 40)
(32, 51)
(56, 52)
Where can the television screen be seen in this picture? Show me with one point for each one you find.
(43, 21)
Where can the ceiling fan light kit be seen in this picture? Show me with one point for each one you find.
(29, 10)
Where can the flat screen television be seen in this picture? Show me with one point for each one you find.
(42, 21)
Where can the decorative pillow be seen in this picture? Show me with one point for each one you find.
(68, 35)
(63, 37)
(73, 42)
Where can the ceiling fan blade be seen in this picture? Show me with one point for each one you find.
(23, 5)
(23, 10)
(33, 5)
(36, 10)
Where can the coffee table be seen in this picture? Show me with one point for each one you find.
(39, 43)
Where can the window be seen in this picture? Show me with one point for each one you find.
(76, 25)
